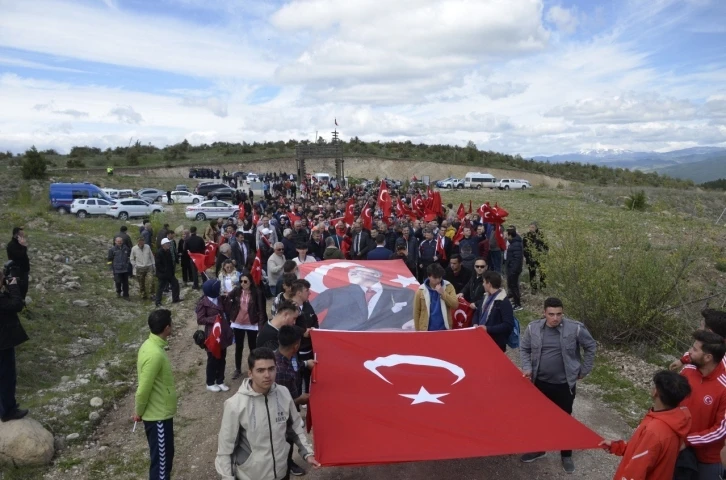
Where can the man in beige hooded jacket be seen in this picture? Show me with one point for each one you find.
(256, 422)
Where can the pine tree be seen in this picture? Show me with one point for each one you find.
(33, 165)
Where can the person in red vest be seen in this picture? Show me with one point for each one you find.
(707, 402)
(653, 449)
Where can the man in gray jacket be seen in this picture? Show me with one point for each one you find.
(118, 260)
(256, 423)
(550, 350)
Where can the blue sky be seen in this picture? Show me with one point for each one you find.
(518, 76)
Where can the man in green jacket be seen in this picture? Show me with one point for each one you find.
(156, 395)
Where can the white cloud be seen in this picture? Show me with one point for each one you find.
(564, 19)
(126, 114)
(121, 38)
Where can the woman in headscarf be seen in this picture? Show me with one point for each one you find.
(209, 307)
(246, 308)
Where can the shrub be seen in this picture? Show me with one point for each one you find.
(132, 156)
(620, 285)
(721, 264)
(33, 165)
(637, 201)
(75, 163)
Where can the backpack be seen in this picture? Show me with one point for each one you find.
(513, 340)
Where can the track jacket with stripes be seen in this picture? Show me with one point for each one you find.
(707, 404)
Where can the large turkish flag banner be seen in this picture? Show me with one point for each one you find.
(386, 397)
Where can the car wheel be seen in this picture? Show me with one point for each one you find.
(460, 186)
(155, 212)
(506, 187)
(62, 210)
(200, 217)
(195, 201)
(478, 187)
(170, 202)
(158, 199)
(81, 214)
(524, 187)
(123, 216)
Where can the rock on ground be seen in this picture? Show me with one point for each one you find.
(25, 442)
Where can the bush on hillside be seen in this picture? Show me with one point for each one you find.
(620, 285)
(75, 163)
(132, 156)
(33, 165)
(637, 201)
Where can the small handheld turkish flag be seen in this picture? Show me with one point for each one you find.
(350, 212)
(389, 389)
(210, 255)
(463, 315)
(213, 341)
(198, 259)
(257, 269)
(367, 216)
(241, 214)
(461, 212)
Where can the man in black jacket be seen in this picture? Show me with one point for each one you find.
(513, 265)
(194, 244)
(17, 250)
(12, 334)
(494, 312)
(474, 290)
(165, 272)
(306, 320)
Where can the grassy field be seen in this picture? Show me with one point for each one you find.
(95, 346)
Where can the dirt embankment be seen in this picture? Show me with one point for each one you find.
(365, 167)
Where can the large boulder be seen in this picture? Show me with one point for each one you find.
(25, 442)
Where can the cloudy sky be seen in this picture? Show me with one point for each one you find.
(518, 76)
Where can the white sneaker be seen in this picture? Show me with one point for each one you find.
(223, 387)
(214, 388)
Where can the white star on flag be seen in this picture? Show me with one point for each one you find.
(423, 396)
(404, 281)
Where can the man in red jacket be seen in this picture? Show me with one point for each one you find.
(652, 450)
(707, 402)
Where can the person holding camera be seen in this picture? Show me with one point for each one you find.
(17, 250)
(12, 334)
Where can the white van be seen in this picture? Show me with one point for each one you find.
(321, 177)
(479, 180)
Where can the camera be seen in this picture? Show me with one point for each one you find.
(9, 272)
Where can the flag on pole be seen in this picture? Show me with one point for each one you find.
(214, 340)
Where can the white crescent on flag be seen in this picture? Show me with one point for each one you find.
(457, 312)
(393, 360)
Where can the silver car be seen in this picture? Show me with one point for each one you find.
(133, 207)
(211, 209)
(151, 195)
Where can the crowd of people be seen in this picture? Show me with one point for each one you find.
(457, 257)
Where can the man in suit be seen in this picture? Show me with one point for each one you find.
(365, 304)
(194, 244)
(241, 253)
(380, 252)
(361, 242)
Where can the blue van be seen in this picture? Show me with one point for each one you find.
(63, 194)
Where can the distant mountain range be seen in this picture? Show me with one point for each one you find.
(700, 164)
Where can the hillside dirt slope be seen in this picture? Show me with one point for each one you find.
(365, 167)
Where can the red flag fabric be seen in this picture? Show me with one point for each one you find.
(470, 210)
(199, 260)
(459, 234)
(256, 272)
(389, 390)
(210, 255)
(438, 204)
(213, 341)
(440, 247)
(501, 242)
(293, 217)
(350, 212)
(384, 200)
(241, 214)
(336, 122)
(255, 218)
(463, 315)
(367, 216)
(418, 205)
(461, 212)
(338, 294)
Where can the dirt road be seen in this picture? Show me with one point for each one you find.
(119, 454)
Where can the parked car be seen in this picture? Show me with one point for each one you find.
(252, 177)
(126, 193)
(182, 188)
(62, 194)
(151, 195)
(452, 183)
(513, 184)
(227, 193)
(133, 207)
(211, 209)
(180, 196)
(204, 188)
(439, 183)
(84, 207)
(111, 192)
